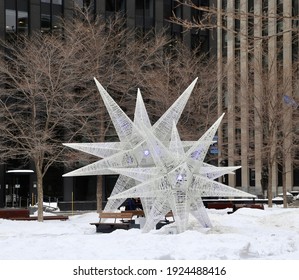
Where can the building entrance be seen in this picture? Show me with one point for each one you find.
(18, 192)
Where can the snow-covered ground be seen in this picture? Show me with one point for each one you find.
(246, 234)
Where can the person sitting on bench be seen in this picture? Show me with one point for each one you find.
(133, 204)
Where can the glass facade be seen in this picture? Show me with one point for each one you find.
(25, 16)
(144, 14)
(51, 13)
(85, 4)
(16, 17)
(56, 2)
(115, 5)
(169, 8)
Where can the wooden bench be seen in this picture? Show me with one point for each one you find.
(137, 213)
(165, 221)
(220, 205)
(122, 216)
(12, 213)
(169, 215)
(140, 213)
(255, 206)
(45, 218)
(23, 215)
(122, 220)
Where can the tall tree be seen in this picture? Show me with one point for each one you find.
(124, 60)
(49, 96)
(38, 103)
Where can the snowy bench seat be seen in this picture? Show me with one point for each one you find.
(23, 215)
(120, 220)
(137, 213)
(255, 206)
(140, 213)
(45, 218)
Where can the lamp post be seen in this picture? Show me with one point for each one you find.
(33, 193)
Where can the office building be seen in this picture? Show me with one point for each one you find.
(258, 40)
(27, 16)
(239, 38)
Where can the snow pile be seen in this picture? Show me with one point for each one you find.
(246, 234)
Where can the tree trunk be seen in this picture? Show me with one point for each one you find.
(269, 187)
(40, 195)
(284, 190)
(99, 193)
(102, 131)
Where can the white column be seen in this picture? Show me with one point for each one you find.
(287, 82)
(231, 87)
(219, 76)
(258, 90)
(272, 70)
(244, 92)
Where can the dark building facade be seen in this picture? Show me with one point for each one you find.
(18, 185)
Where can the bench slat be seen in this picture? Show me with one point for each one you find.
(138, 213)
(255, 206)
(110, 215)
(169, 214)
(220, 205)
(34, 218)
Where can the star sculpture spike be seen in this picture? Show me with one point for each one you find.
(155, 165)
(180, 187)
(122, 123)
(141, 116)
(128, 133)
(162, 128)
(101, 150)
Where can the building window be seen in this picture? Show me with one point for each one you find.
(144, 10)
(16, 16)
(143, 7)
(85, 4)
(51, 13)
(10, 20)
(169, 8)
(116, 5)
(56, 2)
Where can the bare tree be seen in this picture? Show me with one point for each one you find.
(273, 106)
(124, 60)
(112, 51)
(49, 96)
(38, 103)
(101, 42)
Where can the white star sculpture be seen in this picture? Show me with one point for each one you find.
(155, 165)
